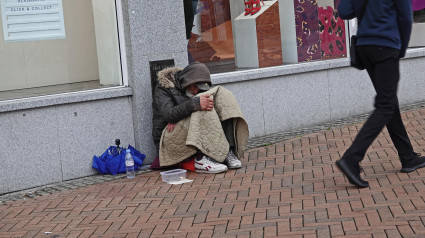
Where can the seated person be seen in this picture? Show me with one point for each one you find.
(175, 99)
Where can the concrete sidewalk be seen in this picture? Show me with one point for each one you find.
(287, 189)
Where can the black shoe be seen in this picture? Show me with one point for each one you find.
(353, 174)
(411, 165)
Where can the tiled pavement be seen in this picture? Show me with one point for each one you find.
(287, 189)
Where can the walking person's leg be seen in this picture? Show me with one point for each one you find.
(399, 136)
(409, 159)
(382, 65)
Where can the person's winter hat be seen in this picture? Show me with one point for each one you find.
(195, 73)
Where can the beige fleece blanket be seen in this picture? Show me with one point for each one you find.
(203, 131)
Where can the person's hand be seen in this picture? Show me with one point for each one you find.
(170, 127)
(207, 103)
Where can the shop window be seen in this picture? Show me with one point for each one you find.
(57, 46)
(419, 16)
(237, 35)
(417, 38)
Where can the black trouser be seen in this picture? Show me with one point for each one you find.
(229, 131)
(382, 65)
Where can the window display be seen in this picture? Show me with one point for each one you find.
(417, 38)
(332, 32)
(252, 6)
(210, 39)
(257, 38)
(236, 35)
(418, 11)
(419, 16)
(307, 30)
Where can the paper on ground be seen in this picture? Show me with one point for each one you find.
(181, 181)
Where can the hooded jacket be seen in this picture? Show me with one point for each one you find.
(385, 22)
(170, 102)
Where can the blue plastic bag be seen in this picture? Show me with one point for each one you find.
(112, 161)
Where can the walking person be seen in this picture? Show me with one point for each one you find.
(383, 35)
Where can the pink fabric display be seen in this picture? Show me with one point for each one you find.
(418, 5)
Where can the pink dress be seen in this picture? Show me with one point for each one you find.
(418, 5)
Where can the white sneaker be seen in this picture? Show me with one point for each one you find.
(208, 165)
(232, 161)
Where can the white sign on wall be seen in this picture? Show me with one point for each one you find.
(25, 20)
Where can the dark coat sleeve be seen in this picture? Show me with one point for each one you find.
(346, 10)
(171, 112)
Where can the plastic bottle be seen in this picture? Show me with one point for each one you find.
(129, 164)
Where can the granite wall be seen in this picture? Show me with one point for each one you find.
(56, 143)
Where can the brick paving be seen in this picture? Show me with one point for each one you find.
(287, 189)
